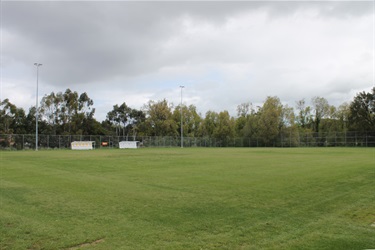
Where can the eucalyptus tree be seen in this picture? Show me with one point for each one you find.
(136, 122)
(85, 104)
(125, 120)
(8, 112)
(82, 113)
(51, 110)
(69, 108)
(12, 118)
(67, 112)
(119, 117)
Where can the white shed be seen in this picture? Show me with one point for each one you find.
(83, 145)
(129, 144)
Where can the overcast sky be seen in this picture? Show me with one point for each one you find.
(223, 52)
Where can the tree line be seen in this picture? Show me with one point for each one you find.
(71, 113)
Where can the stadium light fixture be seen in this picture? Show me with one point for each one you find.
(182, 130)
(36, 104)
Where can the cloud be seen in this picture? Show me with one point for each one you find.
(224, 52)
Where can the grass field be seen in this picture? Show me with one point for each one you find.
(191, 198)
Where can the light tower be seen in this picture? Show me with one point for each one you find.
(182, 130)
(36, 105)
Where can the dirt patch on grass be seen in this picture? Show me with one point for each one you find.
(86, 244)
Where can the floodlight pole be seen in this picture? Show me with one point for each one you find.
(182, 130)
(36, 104)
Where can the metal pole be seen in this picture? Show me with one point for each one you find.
(36, 104)
(182, 130)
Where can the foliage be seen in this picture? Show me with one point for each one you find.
(270, 119)
(12, 119)
(304, 117)
(125, 120)
(224, 128)
(69, 112)
(119, 117)
(159, 120)
(191, 120)
(362, 112)
(321, 110)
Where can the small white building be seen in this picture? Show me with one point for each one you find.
(83, 145)
(129, 144)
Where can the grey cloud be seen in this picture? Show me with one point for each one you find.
(82, 41)
(140, 45)
(86, 41)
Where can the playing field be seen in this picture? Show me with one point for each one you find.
(191, 198)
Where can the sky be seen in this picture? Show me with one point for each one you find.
(224, 53)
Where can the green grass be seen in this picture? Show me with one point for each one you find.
(191, 198)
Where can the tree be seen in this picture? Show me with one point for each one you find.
(362, 112)
(288, 128)
(92, 127)
(244, 111)
(69, 108)
(224, 128)
(7, 114)
(126, 120)
(159, 120)
(250, 129)
(12, 119)
(270, 120)
(30, 121)
(85, 104)
(191, 120)
(119, 118)
(287, 116)
(136, 122)
(51, 110)
(82, 114)
(209, 124)
(67, 112)
(113, 120)
(342, 115)
(321, 110)
(19, 121)
(304, 117)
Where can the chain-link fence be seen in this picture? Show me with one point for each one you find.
(292, 139)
